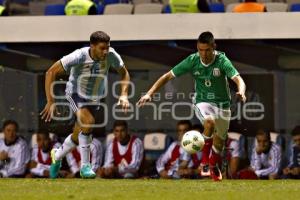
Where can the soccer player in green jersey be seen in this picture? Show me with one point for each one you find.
(210, 70)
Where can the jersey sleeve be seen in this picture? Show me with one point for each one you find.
(183, 67)
(164, 158)
(19, 160)
(115, 60)
(255, 162)
(228, 68)
(97, 154)
(72, 163)
(235, 149)
(71, 60)
(109, 158)
(274, 163)
(34, 153)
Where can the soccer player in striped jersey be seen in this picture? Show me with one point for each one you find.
(210, 70)
(266, 156)
(87, 68)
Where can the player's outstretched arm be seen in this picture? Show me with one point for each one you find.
(158, 84)
(125, 79)
(51, 75)
(241, 87)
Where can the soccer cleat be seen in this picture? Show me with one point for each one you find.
(55, 165)
(215, 173)
(204, 170)
(87, 172)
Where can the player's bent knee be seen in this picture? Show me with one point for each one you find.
(218, 143)
(87, 130)
(87, 124)
(209, 123)
(87, 121)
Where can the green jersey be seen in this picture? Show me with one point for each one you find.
(211, 83)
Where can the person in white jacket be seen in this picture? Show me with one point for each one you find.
(14, 151)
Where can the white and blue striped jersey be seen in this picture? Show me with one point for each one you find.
(265, 164)
(87, 77)
(19, 156)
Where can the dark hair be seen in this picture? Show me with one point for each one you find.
(120, 123)
(185, 122)
(265, 133)
(206, 38)
(197, 127)
(296, 131)
(8, 122)
(43, 132)
(99, 36)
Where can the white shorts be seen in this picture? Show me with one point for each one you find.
(205, 111)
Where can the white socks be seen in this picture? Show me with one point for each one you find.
(66, 147)
(84, 146)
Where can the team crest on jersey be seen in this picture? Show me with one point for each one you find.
(102, 65)
(197, 73)
(216, 72)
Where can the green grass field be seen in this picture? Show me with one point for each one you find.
(147, 189)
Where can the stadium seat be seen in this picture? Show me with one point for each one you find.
(227, 2)
(230, 7)
(118, 9)
(167, 9)
(278, 139)
(135, 2)
(165, 2)
(295, 7)
(217, 7)
(53, 137)
(276, 7)
(20, 1)
(148, 8)
(50, 2)
(264, 1)
(107, 2)
(100, 9)
(55, 9)
(154, 145)
(37, 8)
(290, 2)
(289, 149)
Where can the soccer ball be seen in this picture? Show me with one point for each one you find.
(192, 141)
